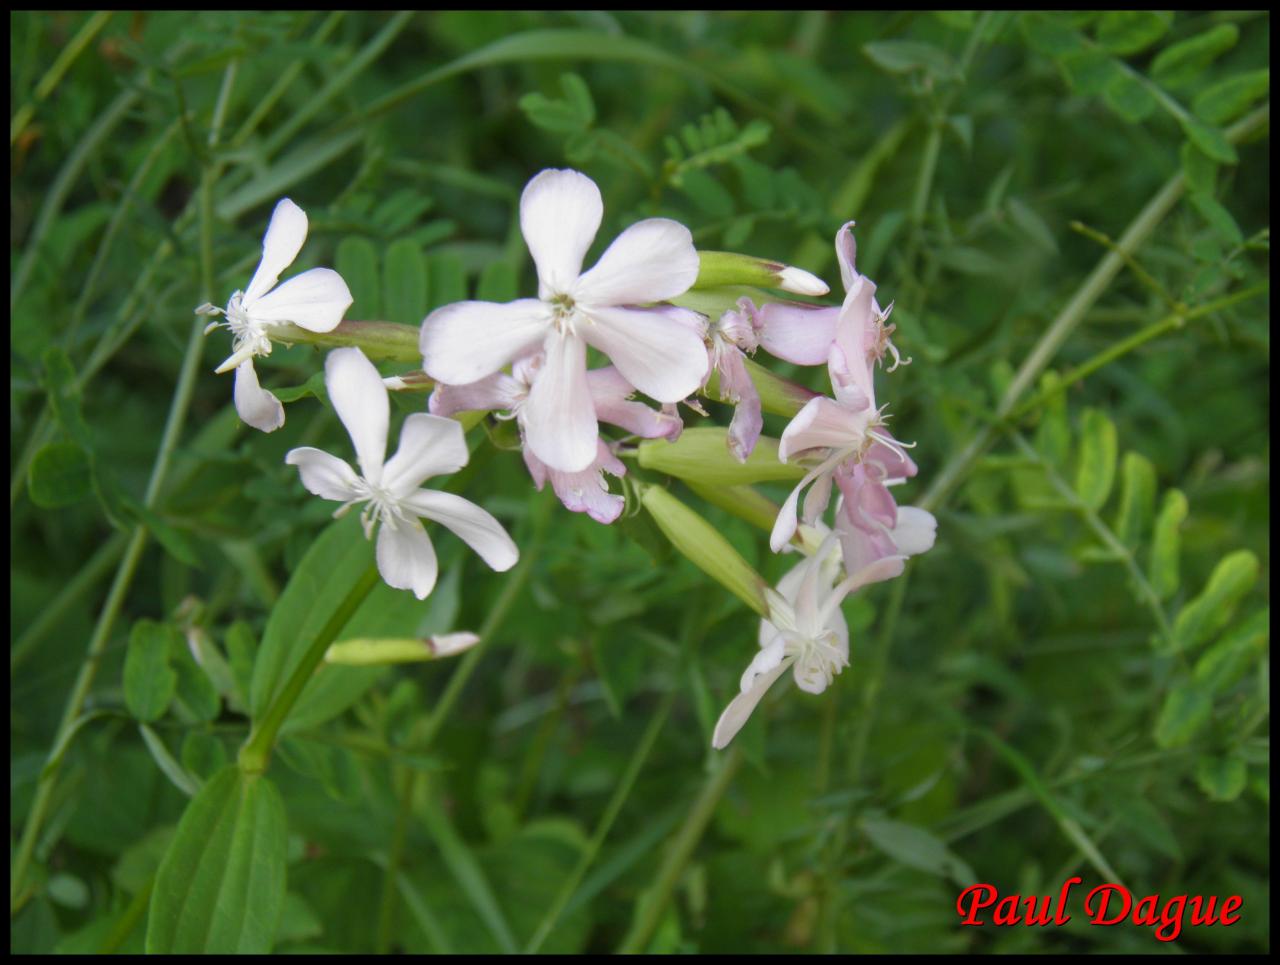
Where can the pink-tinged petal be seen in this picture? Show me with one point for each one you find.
(784, 526)
(817, 498)
(868, 503)
(765, 669)
(797, 333)
(891, 462)
(559, 419)
(610, 395)
(495, 392)
(822, 424)
(560, 212)
(651, 261)
(916, 530)
(657, 354)
(846, 253)
(858, 321)
(588, 492)
(406, 558)
(736, 386)
(471, 524)
(360, 399)
(315, 300)
(884, 568)
(463, 342)
(280, 245)
(537, 468)
(323, 475)
(255, 405)
(429, 446)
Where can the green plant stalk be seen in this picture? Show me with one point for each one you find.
(53, 76)
(620, 795)
(127, 922)
(133, 553)
(256, 752)
(654, 903)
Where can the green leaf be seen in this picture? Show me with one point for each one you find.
(917, 848)
(356, 260)
(1089, 71)
(1185, 712)
(1209, 139)
(1050, 35)
(1221, 778)
(904, 56)
(1137, 498)
(1126, 32)
(171, 769)
(1097, 468)
(448, 278)
(1199, 169)
(1227, 661)
(149, 680)
(1183, 63)
(64, 397)
(221, 885)
(60, 475)
(1129, 97)
(1025, 218)
(197, 696)
(707, 193)
(1219, 218)
(1223, 102)
(202, 755)
(1209, 612)
(404, 283)
(242, 644)
(1162, 570)
(702, 455)
(497, 282)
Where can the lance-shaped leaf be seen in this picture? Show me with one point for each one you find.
(1137, 498)
(702, 543)
(221, 885)
(700, 455)
(1209, 612)
(1226, 661)
(1165, 546)
(1097, 469)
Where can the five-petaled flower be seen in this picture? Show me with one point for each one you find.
(429, 446)
(314, 300)
(651, 261)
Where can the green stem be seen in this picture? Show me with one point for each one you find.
(55, 73)
(256, 751)
(654, 903)
(611, 811)
(386, 911)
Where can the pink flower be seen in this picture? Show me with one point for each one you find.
(653, 260)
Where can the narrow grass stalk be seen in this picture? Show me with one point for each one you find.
(53, 76)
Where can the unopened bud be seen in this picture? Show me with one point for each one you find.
(717, 269)
(700, 455)
(368, 651)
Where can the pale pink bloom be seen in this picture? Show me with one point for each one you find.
(315, 300)
(585, 491)
(874, 551)
(804, 630)
(651, 261)
(429, 446)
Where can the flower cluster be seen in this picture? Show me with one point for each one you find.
(527, 361)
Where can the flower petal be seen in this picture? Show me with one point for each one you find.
(660, 356)
(651, 261)
(609, 394)
(823, 424)
(315, 300)
(463, 342)
(406, 558)
(324, 475)
(430, 445)
(280, 245)
(849, 362)
(916, 530)
(559, 419)
(493, 392)
(255, 405)
(797, 333)
(741, 707)
(588, 491)
(560, 212)
(736, 387)
(469, 522)
(846, 252)
(357, 393)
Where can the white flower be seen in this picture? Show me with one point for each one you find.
(314, 300)
(651, 261)
(429, 446)
(804, 630)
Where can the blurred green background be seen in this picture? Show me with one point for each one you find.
(1073, 681)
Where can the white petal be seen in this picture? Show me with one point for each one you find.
(846, 252)
(497, 391)
(784, 525)
(660, 356)
(797, 333)
(451, 644)
(463, 342)
(430, 445)
(280, 245)
(560, 212)
(916, 530)
(315, 300)
(254, 404)
(740, 708)
(406, 558)
(357, 393)
(559, 419)
(823, 424)
(322, 474)
(651, 261)
(469, 522)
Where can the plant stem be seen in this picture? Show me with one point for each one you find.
(256, 751)
(654, 902)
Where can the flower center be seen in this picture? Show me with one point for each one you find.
(383, 507)
(564, 313)
(818, 659)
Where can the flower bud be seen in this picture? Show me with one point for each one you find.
(369, 651)
(700, 455)
(719, 268)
